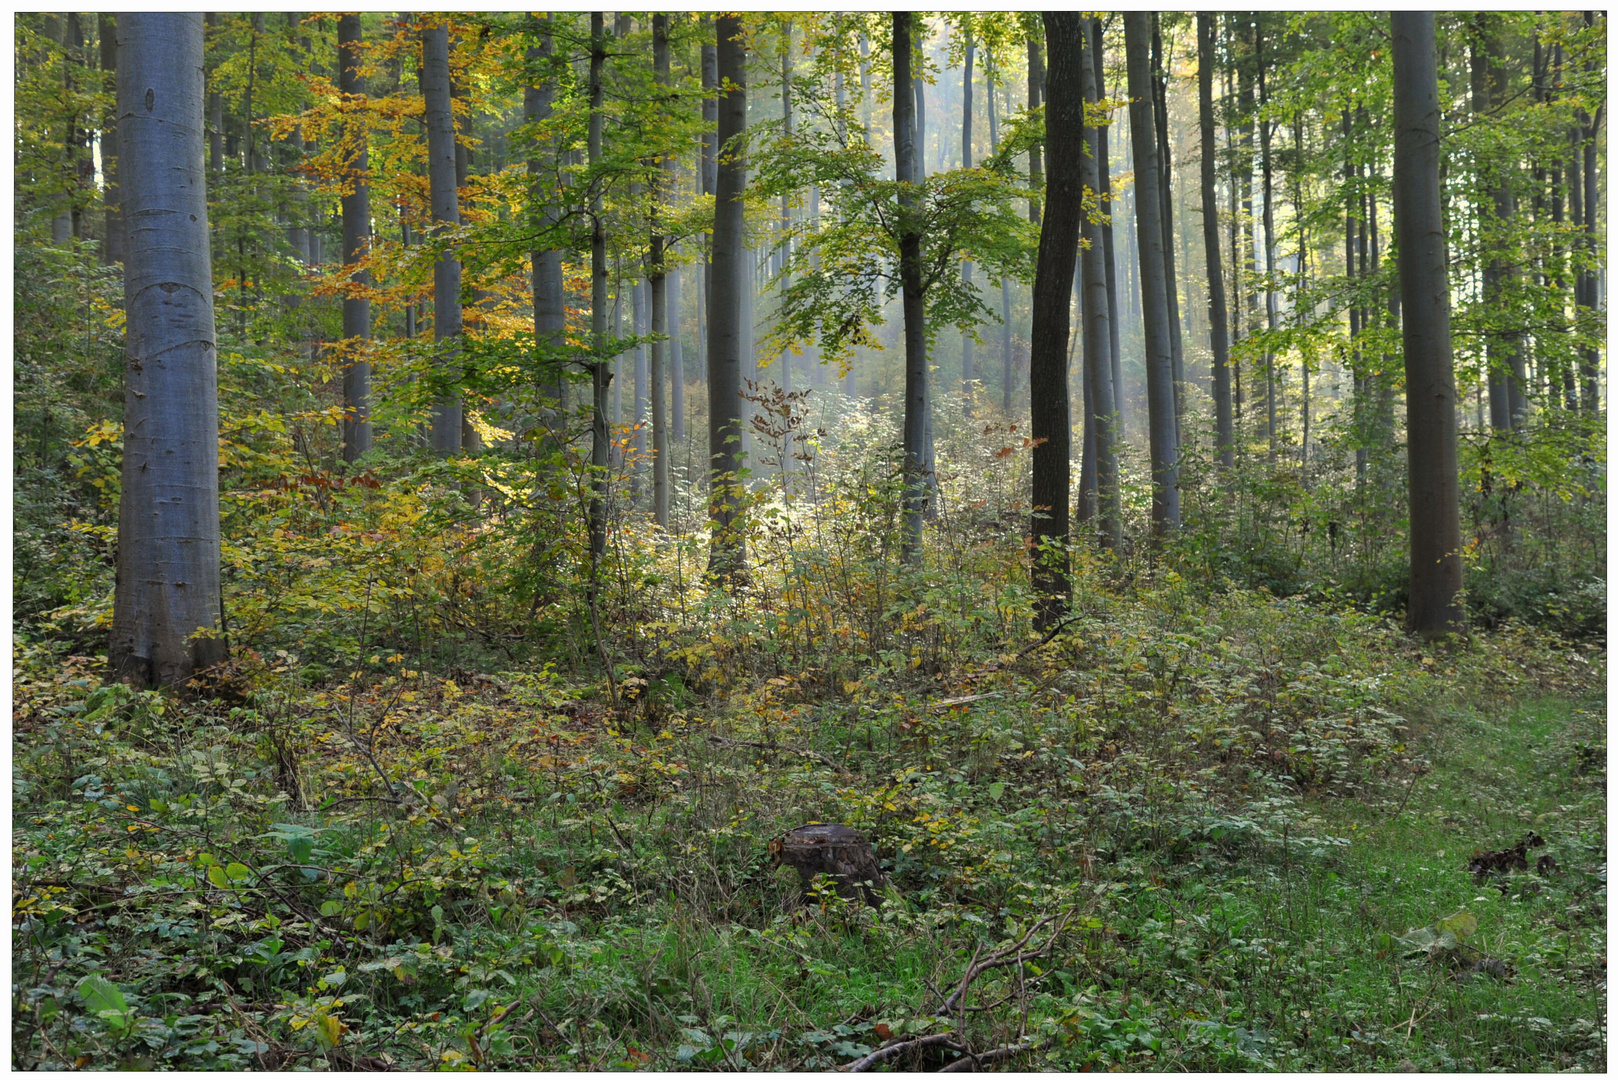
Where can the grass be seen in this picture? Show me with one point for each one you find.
(1240, 805)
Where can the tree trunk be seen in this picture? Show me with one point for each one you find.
(1008, 380)
(435, 92)
(967, 339)
(1036, 88)
(1271, 312)
(660, 310)
(168, 520)
(600, 365)
(910, 272)
(1435, 524)
(1052, 300)
(550, 295)
(1589, 357)
(1218, 333)
(676, 358)
(216, 112)
(727, 556)
(356, 234)
(849, 386)
(1487, 92)
(1104, 170)
(1098, 331)
(639, 325)
(1154, 286)
(1171, 287)
(112, 251)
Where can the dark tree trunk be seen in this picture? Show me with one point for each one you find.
(1053, 290)
(910, 272)
(356, 237)
(726, 554)
(1218, 334)
(1266, 167)
(1435, 523)
(435, 92)
(1154, 286)
(1589, 357)
(1488, 75)
(660, 307)
(600, 366)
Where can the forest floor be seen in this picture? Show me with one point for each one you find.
(1228, 833)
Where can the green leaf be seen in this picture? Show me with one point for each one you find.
(237, 872)
(103, 998)
(1461, 924)
(331, 907)
(996, 790)
(216, 874)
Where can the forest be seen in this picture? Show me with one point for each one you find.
(921, 541)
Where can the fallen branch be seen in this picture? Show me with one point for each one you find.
(972, 1062)
(950, 703)
(1006, 956)
(875, 1057)
(720, 740)
(1050, 635)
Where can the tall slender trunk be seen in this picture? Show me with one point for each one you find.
(1487, 92)
(1435, 522)
(1104, 170)
(600, 365)
(1052, 300)
(910, 271)
(658, 271)
(1160, 115)
(1218, 334)
(726, 554)
(167, 582)
(784, 248)
(640, 326)
(1589, 356)
(1036, 88)
(1007, 372)
(967, 374)
(356, 204)
(1354, 264)
(676, 301)
(841, 95)
(550, 295)
(707, 164)
(1154, 286)
(112, 251)
(435, 92)
(1271, 312)
(1098, 331)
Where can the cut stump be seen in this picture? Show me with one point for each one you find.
(838, 851)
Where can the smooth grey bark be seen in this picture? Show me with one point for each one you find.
(168, 516)
(726, 552)
(112, 250)
(967, 339)
(910, 273)
(1218, 332)
(1098, 331)
(1049, 422)
(640, 315)
(356, 203)
(1435, 521)
(440, 123)
(1162, 436)
(1590, 127)
(600, 365)
(707, 164)
(784, 246)
(1104, 169)
(549, 289)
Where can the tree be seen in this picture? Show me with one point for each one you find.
(967, 337)
(1099, 333)
(549, 293)
(910, 273)
(356, 204)
(440, 122)
(658, 276)
(1218, 331)
(726, 553)
(1435, 522)
(1053, 289)
(166, 604)
(1163, 437)
(600, 366)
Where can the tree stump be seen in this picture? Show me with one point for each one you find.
(838, 851)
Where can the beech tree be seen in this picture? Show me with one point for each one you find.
(729, 276)
(440, 122)
(356, 202)
(166, 606)
(1435, 520)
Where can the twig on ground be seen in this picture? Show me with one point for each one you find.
(720, 740)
